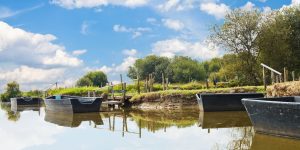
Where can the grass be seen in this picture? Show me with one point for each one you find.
(191, 93)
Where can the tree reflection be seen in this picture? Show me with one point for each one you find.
(11, 115)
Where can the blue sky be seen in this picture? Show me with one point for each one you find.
(44, 41)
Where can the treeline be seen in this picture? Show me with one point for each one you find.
(250, 38)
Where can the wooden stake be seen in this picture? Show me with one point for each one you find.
(264, 78)
(163, 81)
(293, 75)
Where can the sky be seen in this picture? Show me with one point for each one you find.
(48, 41)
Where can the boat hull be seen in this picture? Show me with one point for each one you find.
(275, 116)
(73, 105)
(20, 104)
(224, 102)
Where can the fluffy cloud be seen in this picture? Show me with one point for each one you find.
(123, 67)
(295, 2)
(26, 48)
(79, 52)
(136, 32)
(130, 52)
(248, 6)
(197, 50)
(177, 5)
(71, 4)
(26, 75)
(173, 24)
(217, 10)
(33, 59)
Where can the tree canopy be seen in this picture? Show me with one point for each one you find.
(95, 78)
(12, 90)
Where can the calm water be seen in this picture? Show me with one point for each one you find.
(36, 129)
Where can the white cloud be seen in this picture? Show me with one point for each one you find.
(263, 1)
(20, 47)
(197, 50)
(295, 2)
(176, 5)
(248, 6)
(84, 28)
(71, 4)
(121, 68)
(217, 10)
(6, 12)
(136, 32)
(267, 10)
(128, 61)
(25, 74)
(33, 60)
(173, 24)
(79, 52)
(130, 52)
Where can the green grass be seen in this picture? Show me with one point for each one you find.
(191, 93)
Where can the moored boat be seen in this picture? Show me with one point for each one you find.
(276, 116)
(73, 104)
(224, 101)
(21, 103)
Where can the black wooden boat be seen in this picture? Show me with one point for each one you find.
(226, 119)
(224, 102)
(276, 116)
(73, 104)
(25, 103)
(72, 120)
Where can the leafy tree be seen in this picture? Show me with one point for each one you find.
(239, 35)
(150, 64)
(96, 78)
(12, 90)
(184, 69)
(279, 41)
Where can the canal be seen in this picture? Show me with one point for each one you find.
(32, 128)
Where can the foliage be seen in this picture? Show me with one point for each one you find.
(280, 38)
(239, 34)
(179, 69)
(96, 78)
(191, 93)
(150, 64)
(33, 93)
(12, 90)
(78, 91)
(184, 70)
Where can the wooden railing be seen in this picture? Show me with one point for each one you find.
(276, 76)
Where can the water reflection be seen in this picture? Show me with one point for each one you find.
(134, 129)
(72, 120)
(227, 119)
(263, 142)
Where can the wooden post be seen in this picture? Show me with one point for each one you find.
(167, 83)
(124, 91)
(140, 128)
(163, 81)
(293, 75)
(138, 84)
(89, 94)
(264, 78)
(146, 85)
(272, 77)
(284, 74)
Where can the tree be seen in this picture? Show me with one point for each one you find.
(12, 90)
(150, 64)
(279, 41)
(239, 35)
(184, 69)
(96, 78)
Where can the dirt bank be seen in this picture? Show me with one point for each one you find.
(284, 89)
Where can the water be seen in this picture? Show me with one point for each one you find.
(36, 129)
